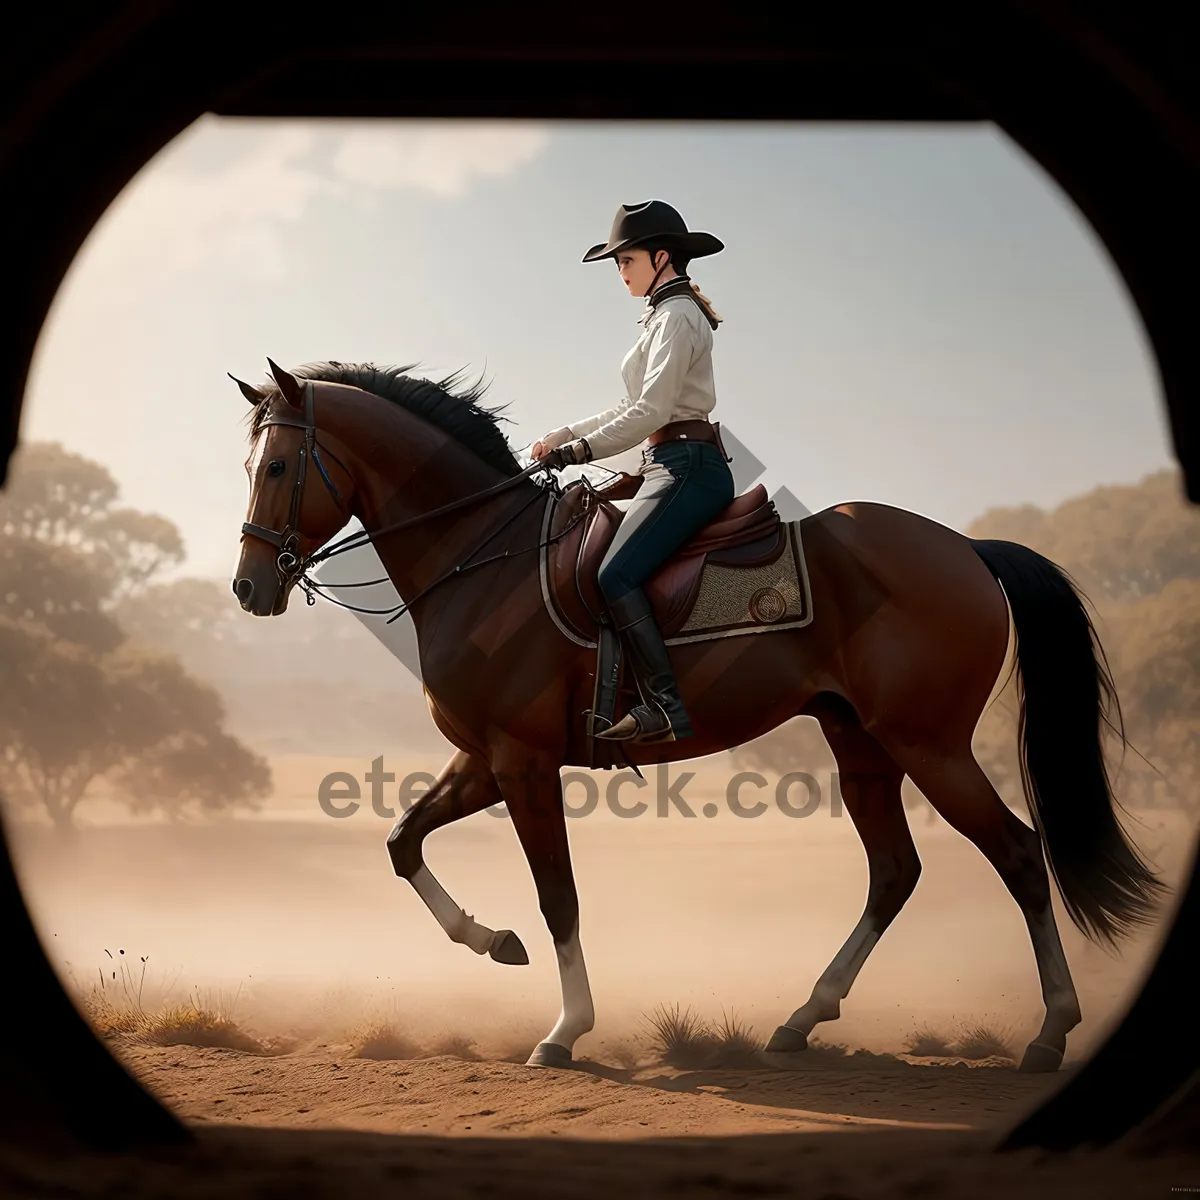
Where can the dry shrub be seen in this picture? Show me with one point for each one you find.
(928, 1043)
(186, 1025)
(736, 1045)
(682, 1038)
(108, 1018)
(382, 1040)
(984, 1041)
(119, 1004)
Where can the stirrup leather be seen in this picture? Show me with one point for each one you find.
(601, 715)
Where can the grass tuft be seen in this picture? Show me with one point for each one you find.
(984, 1041)
(681, 1037)
(187, 1025)
(118, 1004)
(735, 1043)
(928, 1043)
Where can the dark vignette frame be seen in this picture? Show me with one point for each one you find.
(1107, 101)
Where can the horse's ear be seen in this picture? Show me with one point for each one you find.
(249, 391)
(288, 384)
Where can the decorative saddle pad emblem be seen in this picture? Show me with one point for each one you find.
(748, 599)
(767, 605)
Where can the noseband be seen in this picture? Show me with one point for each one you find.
(289, 563)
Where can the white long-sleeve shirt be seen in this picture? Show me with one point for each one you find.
(668, 376)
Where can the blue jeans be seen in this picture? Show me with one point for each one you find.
(687, 483)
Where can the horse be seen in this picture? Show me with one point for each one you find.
(911, 631)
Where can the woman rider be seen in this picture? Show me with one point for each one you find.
(686, 480)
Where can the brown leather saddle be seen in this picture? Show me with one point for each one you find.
(747, 533)
(581, 526)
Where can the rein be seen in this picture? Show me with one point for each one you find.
(293, 568)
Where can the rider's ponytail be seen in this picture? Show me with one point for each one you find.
(680, 263)
(706, 304)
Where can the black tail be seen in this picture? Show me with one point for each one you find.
(1067, 698)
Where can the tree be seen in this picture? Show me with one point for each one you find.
(61, 499)
(1119, 542)
(78, 699)
(69, 716)
(59, 587)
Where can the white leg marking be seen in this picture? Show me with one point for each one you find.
(578, 1014)
(458, 925)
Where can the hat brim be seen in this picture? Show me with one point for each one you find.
(695, 245)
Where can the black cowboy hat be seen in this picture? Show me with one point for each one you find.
(657, 222)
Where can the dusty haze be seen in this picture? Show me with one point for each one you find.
(296, 922)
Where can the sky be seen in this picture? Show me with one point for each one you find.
(916, 315)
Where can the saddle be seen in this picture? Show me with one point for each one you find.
(727, 578)
(748, 533)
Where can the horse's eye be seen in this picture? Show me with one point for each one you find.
(276, 467)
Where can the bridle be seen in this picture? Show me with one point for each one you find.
(293, 567)
(289, 563)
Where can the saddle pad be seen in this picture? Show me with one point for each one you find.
(735, 600)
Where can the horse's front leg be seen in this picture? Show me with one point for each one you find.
(532, 790)
(465, 786)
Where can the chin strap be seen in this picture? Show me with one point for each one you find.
(657, 275)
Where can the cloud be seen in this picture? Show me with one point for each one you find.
(177, 217)
(220, 196)
(442, 157)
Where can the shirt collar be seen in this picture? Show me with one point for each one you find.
(681, 285)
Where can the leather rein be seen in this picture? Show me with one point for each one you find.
(293, 567)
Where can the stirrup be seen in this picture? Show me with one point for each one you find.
(630, 729)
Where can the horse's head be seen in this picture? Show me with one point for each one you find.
(300, 494)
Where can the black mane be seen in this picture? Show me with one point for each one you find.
(441, 403)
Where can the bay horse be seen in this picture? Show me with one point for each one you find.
(898, 682)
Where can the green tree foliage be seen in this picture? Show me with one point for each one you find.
(79, 700)
(1134, 550)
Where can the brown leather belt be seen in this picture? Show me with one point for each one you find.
(697, 430)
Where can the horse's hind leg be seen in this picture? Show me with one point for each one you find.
(465, 786)
(957, 787)
(870, 785)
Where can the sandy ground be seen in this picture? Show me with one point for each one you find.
(328, 1088)
(293, 923)
(856, 1128)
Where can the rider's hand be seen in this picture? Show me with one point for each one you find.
(569, 454)
(550, 441)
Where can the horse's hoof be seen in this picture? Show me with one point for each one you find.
(507, 948)
(548, 1054)
(1039, 1058)
(786, 1040)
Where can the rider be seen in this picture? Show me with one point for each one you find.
(686, 479)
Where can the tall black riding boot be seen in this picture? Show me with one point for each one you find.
(661, 716)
